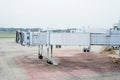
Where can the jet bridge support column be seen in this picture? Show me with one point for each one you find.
(40, 51)
(50, 58)
(119, 51)
(48, 47)
(51, 50)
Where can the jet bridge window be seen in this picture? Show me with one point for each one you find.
(28, 37)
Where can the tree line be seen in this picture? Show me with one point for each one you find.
(13, 30)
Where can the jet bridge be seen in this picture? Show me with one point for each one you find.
(49, 39)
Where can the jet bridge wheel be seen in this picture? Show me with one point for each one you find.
(86, 50)
(40, 56)
(49, 62)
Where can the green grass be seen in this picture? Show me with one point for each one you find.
(7, 35)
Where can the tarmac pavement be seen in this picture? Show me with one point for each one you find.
(21, 63)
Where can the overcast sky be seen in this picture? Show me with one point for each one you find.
(59, 13)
